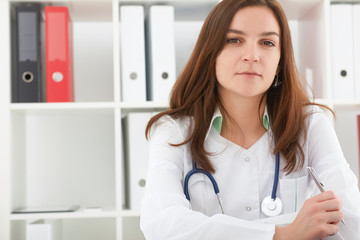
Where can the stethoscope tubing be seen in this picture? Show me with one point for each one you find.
(276, 177)
(196, 170)
(211, 178)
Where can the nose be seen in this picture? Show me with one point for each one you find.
(250, 54)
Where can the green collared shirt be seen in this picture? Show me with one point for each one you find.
(217, 122)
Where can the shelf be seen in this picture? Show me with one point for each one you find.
(345, 103)
(141, 106)
(71, 228)
(344, 1)
(54, 106)
(342, 103)
(77, 214)
(130, 213)
(144, 105)
(88, 105)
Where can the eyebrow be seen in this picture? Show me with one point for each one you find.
(264, 34)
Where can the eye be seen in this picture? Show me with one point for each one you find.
(268, 43)
(233, 41)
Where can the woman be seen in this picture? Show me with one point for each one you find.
(238, 108)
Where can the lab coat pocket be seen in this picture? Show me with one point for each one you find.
(293, 193)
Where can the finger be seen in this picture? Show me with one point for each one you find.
(331, 217)
(331, 229)
(327, 195)
(334, 217)
(331, 205)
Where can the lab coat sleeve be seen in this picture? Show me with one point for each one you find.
(326, 156)
(165, 213)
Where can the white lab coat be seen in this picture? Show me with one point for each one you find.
(244, 177)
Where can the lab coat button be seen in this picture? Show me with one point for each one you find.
(248, 208)
(247, 159)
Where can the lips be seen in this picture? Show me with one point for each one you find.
(250, 74)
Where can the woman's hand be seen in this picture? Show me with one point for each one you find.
(317, 219)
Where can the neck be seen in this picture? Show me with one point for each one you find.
(245, 126)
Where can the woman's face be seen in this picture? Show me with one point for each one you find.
(247, 65)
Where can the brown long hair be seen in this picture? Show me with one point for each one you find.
(195, 92)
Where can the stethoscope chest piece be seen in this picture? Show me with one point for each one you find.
(271, 207)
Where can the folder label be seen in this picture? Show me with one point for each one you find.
(28, 38)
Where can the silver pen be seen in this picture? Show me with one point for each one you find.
(318, 182)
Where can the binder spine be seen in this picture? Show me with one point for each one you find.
(59, 82)
(160, 53)
(28, 58)
(342, 51)
(356, 46)
(136, 163)
(133, 54)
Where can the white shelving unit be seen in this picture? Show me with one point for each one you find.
(71, 153)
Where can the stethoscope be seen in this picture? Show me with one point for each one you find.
(270, 206)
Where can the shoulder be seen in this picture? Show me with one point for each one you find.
(169, 127)
(317, 116)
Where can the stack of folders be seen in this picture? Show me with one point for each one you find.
(136, 150)
(58, 61)
(147, 60)
(345, 48)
